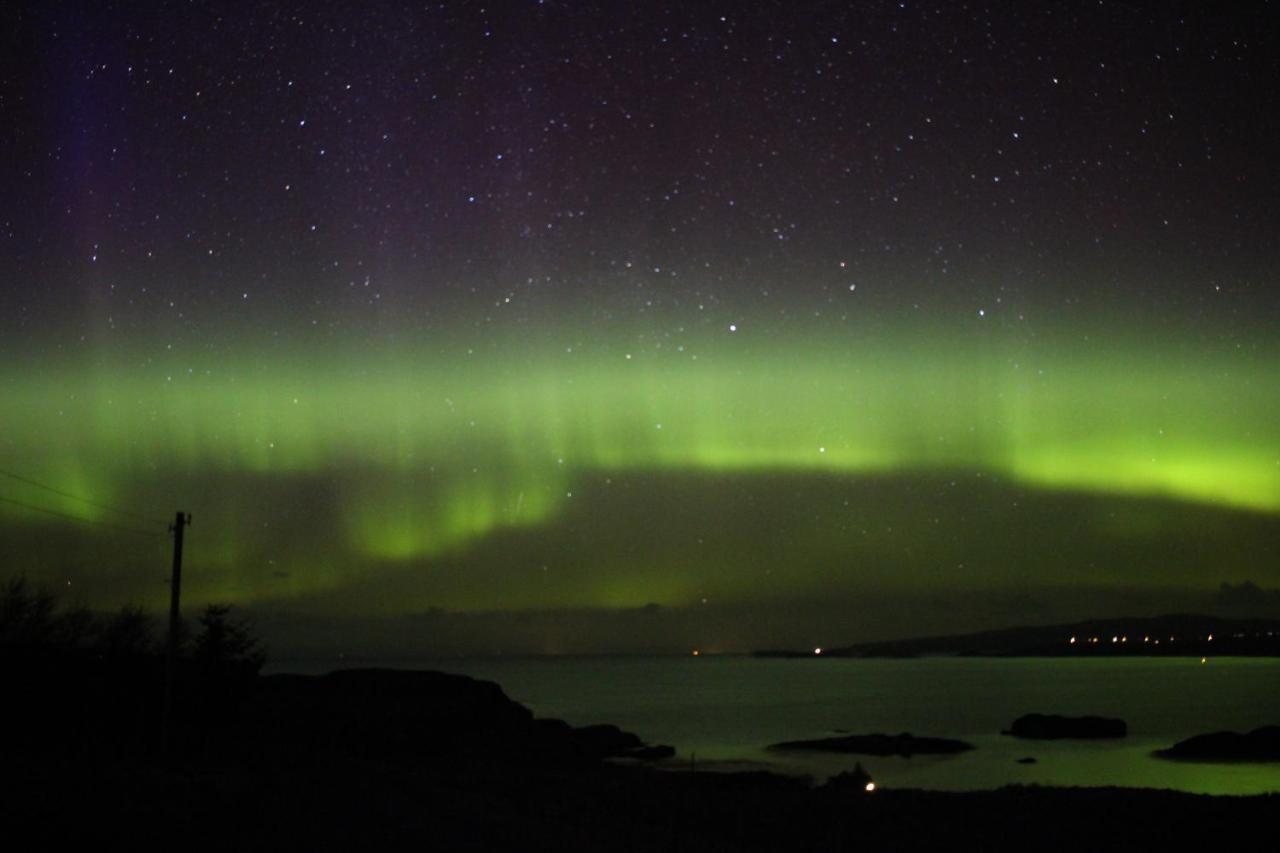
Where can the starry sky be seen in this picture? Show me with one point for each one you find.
(575, 327)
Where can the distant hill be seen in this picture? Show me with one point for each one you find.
(1182, 634)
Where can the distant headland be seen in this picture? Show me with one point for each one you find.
(1175, 635)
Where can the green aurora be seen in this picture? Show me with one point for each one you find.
(312, 472)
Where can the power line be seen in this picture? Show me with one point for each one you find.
(81, 519)
(68, 495)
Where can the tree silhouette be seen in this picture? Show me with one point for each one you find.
(129, 633)
(27, 618)
(226, 642)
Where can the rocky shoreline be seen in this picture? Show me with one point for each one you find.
(1258, 745)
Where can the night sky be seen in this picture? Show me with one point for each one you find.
(562, 327)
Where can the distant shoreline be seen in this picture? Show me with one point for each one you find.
(321, 664)
(1181, 635)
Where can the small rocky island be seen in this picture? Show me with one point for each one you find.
(1258, 745)
(1055, 727)
(905, 745)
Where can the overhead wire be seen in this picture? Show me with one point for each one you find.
(97, 504)
(145, 539)
(80, 519)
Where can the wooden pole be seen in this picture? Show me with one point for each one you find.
(180, 521)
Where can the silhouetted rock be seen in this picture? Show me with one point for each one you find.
(604, 741)
(657, 752)
(878, 744)
(1053, 727)
(857, 780)
(1258, 745)
(405, 716)
(551, 728)
(595, 742)
(400, 714)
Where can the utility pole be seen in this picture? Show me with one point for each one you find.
(180, 521)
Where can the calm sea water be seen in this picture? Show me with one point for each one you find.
(723, 711)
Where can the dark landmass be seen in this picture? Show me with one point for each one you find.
(405, 715)
(360, 805)
(1186, 634)
(374, 759)
(878, 744)
(1054, 727)
(86, 688)
(378, 759)
(1258, 745)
